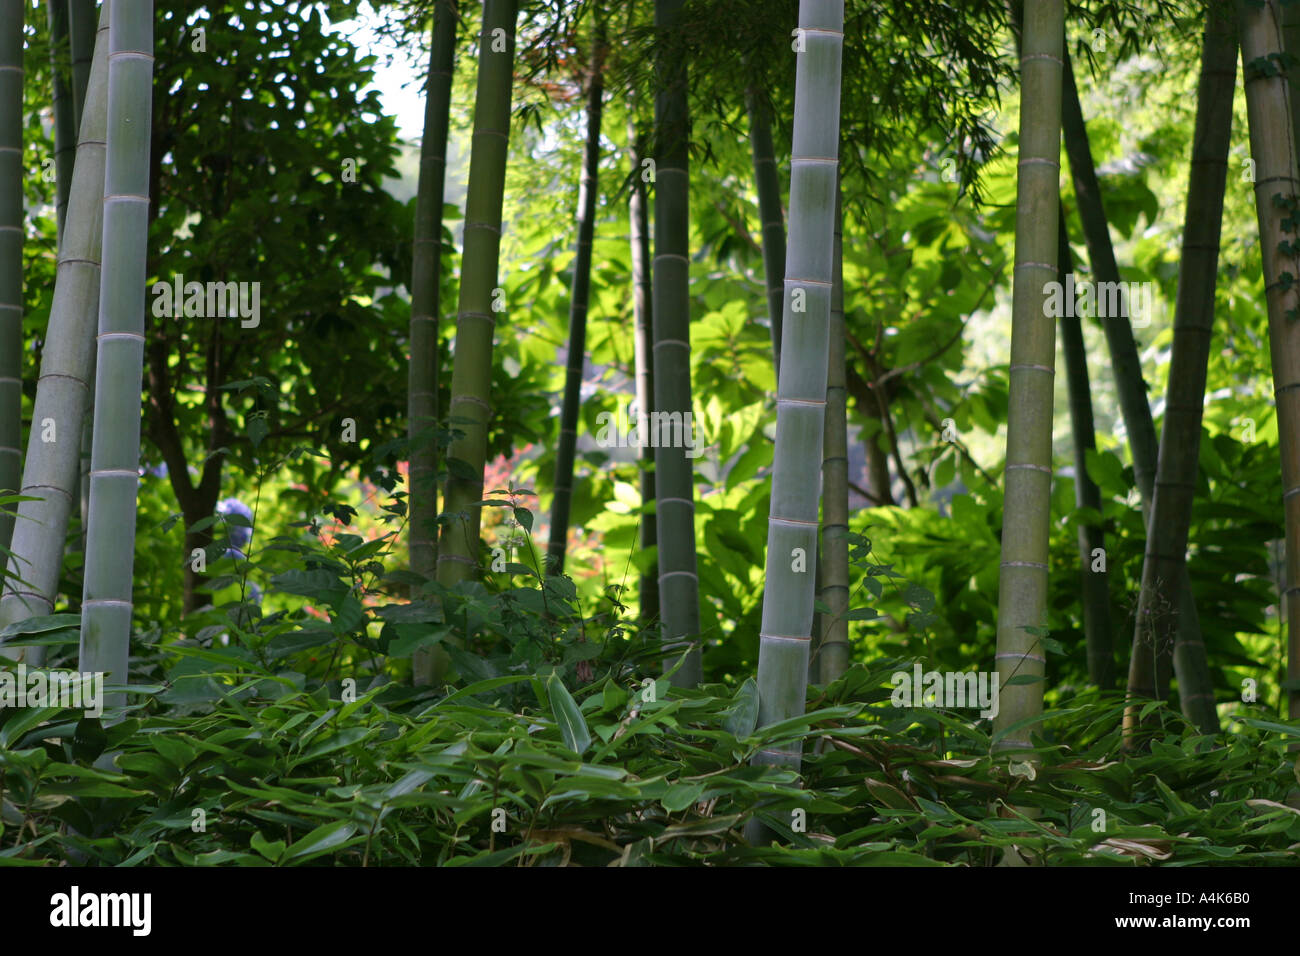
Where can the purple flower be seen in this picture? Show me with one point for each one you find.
(237, 535)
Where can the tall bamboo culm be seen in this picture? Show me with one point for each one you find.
(767, 183)
(115, 456)
(471, 379)
(51, 471)
(1126, 366)
(1093, 586)
(834, 649)
(1273, 147)
(11, 256)
(642, 306)
(426, 284)
(1022, 584)
(81, 40)
(1164, 563)
(786, 627)
(679, 583)
(577, 345)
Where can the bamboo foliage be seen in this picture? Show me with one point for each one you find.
(1164, 564)
(834, 590)
(768, 186)
(1126, 365)
(11, 254)
(1022, 584)
(426, 281)
(476, 318)
(679, 584)
(115, 456)
(638, 217)
(1277, 203)
(1093, 586)
(577, 345)
(786, 627)
(51, 471)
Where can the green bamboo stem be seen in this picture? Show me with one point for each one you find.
(11, 255)
(642, 317)
(470, 408)
(1093, 589)
(114, 479)
(82, 29)
(578, 302)
(65, 129)
(426, 284)
(786, 628)
(768, 186)
(1164, 564)
(834, 650)
(1273, 147)
(679, 585)
(1022, 585)
(51, 470)
(1126, 364)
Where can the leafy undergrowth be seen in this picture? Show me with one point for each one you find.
(518, 770)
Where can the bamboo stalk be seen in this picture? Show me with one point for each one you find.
(458, 551)
(1022, 585)
(679, 584)
(426, 287)
(835, 646)
(768, 186)
(1093, 589)
(1164, 564)
(51, 471)
(578, 302)
(786, 628)
(1277, 185)
(11, 256)
(642, 317)
(114, 478)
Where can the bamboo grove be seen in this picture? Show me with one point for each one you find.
(710, 366)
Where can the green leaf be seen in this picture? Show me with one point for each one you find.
(742, 717)
(321, 840)
(42, 625)
(573, 728)
(525, 519)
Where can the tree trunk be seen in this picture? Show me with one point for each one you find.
(110, 540)
(1124, 359)
(51, 473)
(458, 551)
(1022, 586)
(679, 584)
(834, 650)
(768, 186)
(786, 629)
(587, 195)
(11, 257)
(1164, 564)
(1093, 590)
(426, 284)
(1277, 183)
